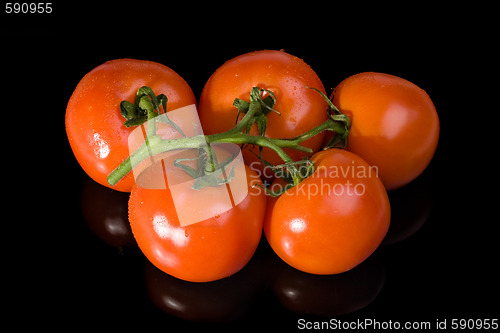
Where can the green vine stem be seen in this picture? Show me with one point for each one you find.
(256, 109)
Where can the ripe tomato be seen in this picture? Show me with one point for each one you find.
(287, 77)
(395, 125)
(94, 123)
(205, 251)
(332, 220)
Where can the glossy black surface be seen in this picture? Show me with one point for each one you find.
(69, 257)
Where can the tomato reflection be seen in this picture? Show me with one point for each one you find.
(410, 209)
(106, 213)
(328, 295)
(217, 301)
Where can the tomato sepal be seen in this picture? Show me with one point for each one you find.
(340, 139)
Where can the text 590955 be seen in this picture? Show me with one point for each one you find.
(28, 8)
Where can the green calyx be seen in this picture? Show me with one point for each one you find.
(340, 139)
(148, 106)
(260, 117)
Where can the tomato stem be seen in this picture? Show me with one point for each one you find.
(255, 111)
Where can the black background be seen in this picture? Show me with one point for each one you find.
(62, 274)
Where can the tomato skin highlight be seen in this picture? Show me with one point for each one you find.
(287, 76)
(206, 251)
(331, 221)
(94, 123)
(395, 125)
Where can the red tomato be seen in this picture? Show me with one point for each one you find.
(94, 123)
(287, 77)
(332, 220)
(395, 125)
(205, 251)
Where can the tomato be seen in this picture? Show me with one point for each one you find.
(395, 125)
(205, 251)
(332, 220)
(287, 77)
(94, 124)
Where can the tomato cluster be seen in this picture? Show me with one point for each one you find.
(327, 221)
